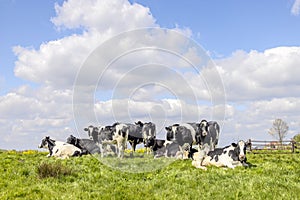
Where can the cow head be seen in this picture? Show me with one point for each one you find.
(71, 139)
(92, 131)
(203, 126)
(44, 143)
(171, 131)
(149, 142)
(240, 150)
(139, 123)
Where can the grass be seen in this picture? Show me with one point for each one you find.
(271, 176)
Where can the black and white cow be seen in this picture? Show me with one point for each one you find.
(210, 132)
(105, 137)
(205, 134)
(169, 150)
(149, 134)
(172, 149)
(59, 149)
(135, 135)
(87, 146)
(185, 134)
(157, 144)
(229, 156)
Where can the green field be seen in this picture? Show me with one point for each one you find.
(30, 175)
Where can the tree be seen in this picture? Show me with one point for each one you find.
(296, 138)
(279, 129)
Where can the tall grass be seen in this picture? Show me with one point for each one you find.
(270, 177)
(56, 170)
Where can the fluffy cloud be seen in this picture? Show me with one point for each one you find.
(112, 16)
(261, 75)
(296, 7)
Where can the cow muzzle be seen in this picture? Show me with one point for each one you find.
(204, 133)
(242, 157)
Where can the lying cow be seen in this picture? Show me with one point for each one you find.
(229, 156)
(172, 150)
(87, 146)
(59, 149)
(169, 150)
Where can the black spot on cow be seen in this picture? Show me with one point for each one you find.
(216, 158)
(233, 155)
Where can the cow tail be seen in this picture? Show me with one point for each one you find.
(217, 127)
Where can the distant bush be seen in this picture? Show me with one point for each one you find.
(55, 170)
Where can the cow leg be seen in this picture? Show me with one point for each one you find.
(198, 165)
(101, 149)
(133, 145)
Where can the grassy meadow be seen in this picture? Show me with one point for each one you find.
(31, 175)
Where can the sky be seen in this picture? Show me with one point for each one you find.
(67, 64)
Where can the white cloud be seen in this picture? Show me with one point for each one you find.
(296, 7)
(261, 75)
(112, 16)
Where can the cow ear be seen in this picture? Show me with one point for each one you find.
(167, 128)
(85, 129)
(234, 144)
(247, 144)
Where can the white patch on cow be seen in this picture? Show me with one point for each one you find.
(241, 145)
(174, 128)
(64, 150)
(121, 141)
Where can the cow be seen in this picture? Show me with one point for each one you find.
(87, 146)
(148, 134)
(59, 149)
(229, 156)
(157, 144)
(135, 135)
(92, 132)
(210, 132)
(185, 134)
(121, 136)
(172, 149)
(169, 150)
(103, 136)
(204, 134)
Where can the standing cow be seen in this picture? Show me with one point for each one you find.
(148, 134)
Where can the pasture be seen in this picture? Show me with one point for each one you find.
(271, 176)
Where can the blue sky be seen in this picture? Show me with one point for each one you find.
(244, 38)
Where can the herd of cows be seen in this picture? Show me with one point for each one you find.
(180, 143)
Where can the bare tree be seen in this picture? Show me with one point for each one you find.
(279, 129)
